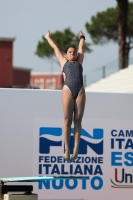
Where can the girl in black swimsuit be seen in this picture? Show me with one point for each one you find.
(73, 92)
(74, 77)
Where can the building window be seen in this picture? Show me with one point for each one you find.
(51, 83)
(39, 83)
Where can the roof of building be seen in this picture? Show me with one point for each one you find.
(22, 68)
(121, 81)
(7, 39)
(45, 73)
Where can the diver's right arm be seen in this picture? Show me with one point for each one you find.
(61, 59)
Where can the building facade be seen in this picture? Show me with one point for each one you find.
(6, 57)
(11, 76)
(46, 80)
(16, 77)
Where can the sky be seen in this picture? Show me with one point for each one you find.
(29, 20)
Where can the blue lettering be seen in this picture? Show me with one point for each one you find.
(100, 183)
(78, 170)
(113, 133)
(84, 183)
(129, 133)
(112, 143)
(54, 185)
(120, 140)
(121, 133)
(40, 158)
(75, 183)
(71, 169)
(53, 159)
(96, 183)
(47, 159)
(114, 158)
(59, 159)
(98, 170)
(63, 169)
(47, 168)
(94, 159)
(129, 157)
(88, 170)
(129, 144)
(100, 160)
(87, 160)
(40, 168)
(55, 170)
(78, 160)
(45, 183)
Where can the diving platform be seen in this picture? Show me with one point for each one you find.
(24, 192)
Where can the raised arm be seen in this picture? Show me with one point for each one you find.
(61, 59)
(81, 48)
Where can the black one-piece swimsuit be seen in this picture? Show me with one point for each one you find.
(74, 77)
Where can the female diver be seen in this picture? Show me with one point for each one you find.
(73, 92)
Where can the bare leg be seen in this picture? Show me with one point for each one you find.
(68, 108)
(78, 114)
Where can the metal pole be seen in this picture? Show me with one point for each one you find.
(85, 81)
(104, 72)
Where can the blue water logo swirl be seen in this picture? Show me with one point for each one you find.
(52, 136)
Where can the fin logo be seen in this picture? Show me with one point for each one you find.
(49, 137)
(52, 136)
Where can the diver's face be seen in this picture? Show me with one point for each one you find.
(71, 54)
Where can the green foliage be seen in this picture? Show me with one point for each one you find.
(62, 40)
(104, 26)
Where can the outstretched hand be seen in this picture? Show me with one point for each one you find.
(47, 34)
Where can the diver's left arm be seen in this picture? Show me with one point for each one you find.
(81, 48)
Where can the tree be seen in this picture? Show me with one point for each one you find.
(104, 28)
(63, 40)
(122, 30)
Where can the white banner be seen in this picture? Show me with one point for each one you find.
(105, 156)
(32, 144)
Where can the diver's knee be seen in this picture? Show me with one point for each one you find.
(68, 121)
(77, 121)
